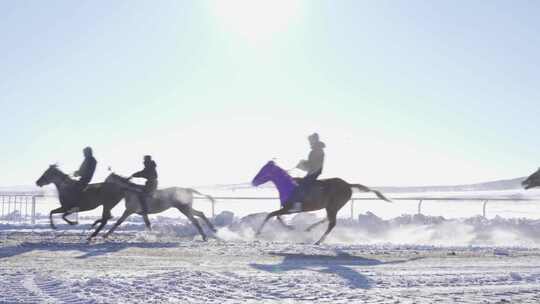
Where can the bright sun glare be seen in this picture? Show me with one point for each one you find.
(256, 20)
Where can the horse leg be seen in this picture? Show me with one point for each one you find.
(118, 222)
(188, 213)
(68, 221)
(57, 210)
(96, 222)
(147, 221)
(106, 215)
(331, 215)
(316, 224)
(205, 219)
(281, 211)
(290, 227)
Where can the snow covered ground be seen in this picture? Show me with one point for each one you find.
(407, 259)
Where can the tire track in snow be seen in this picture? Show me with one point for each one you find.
(56, 289)
(20, 288)
(30, 284)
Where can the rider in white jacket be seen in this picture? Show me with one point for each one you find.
(313, 166)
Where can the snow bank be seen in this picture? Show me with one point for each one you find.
(406, 229)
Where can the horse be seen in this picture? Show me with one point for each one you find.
(93, 196)
(532, 181)
(161, 200)
(330, 194)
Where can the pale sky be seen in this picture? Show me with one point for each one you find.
(402, 92)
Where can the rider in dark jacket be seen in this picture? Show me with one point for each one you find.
(87, 168)
(150, 174)
(85, 172)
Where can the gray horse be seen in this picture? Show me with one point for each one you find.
(163, 199)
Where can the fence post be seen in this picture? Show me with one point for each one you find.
(484, 208)
(33, 220)
(26, 208)
(352, 208)
(213, 209)
(420, 207)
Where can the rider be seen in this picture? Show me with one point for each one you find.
(313, 166)
(85, 172)
(150, 174)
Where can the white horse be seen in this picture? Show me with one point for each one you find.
(161, 200)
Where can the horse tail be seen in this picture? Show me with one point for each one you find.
(209, 197)
(367, 189)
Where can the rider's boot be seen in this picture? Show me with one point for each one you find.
(296, 207)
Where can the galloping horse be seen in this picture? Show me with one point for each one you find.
(93, 196)
(532, 181)
(179, 198)
(330, 194)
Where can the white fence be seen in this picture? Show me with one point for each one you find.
(419, 200)
(18, 207)
(21, 208)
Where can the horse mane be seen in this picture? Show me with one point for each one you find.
(285, 174)
(57, 168)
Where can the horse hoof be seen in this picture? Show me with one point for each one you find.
(205, 238)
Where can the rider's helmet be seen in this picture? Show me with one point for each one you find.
(313, 137)
(87, 152)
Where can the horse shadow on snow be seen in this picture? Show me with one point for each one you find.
(341, 265)
(87, 251)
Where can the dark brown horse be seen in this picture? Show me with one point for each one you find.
(330, 194)
(95, 195)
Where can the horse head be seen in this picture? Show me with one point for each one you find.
(265, 174)
(50, 175)
(532, 181)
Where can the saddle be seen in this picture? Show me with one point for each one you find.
(303, 194)
(74, 193)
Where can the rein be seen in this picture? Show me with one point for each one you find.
(65, 180)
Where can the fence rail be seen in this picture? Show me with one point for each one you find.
(18, 207)
(21, 207)
(420, 200)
